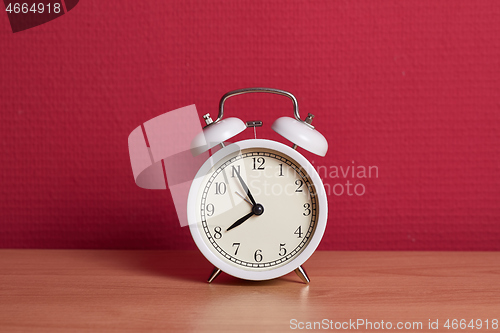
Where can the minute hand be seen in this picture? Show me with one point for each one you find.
(245, 187)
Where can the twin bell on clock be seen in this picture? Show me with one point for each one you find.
(256, 209)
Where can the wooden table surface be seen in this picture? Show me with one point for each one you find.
(163, 291)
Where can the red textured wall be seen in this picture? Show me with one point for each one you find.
(411, 87)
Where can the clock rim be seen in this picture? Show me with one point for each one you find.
(294, 263)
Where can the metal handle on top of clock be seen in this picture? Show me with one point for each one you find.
(261, 90)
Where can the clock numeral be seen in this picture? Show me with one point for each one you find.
(282, 249)
(233, 169)
(217, 232)
(210, 209)
(307, 208)
(299, 183)
(220, 188)
(298, 232)
(281, 170)
(260, 160)
(258, 256)
(237, 247)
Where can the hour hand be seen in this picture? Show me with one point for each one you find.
(257, 209)
(245, 188)
(241, 220)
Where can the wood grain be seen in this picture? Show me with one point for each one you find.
(161, 291)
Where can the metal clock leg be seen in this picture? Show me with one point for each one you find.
(302, 274)
(214, 274)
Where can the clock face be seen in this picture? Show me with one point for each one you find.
(257, 209)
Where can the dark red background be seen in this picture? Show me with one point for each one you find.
(412, 87)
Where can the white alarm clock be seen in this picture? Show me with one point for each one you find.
(257, 209)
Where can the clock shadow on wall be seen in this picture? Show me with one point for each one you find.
(28, 14)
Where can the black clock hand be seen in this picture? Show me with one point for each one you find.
(258, 209)
(240, 221)
(245, 188)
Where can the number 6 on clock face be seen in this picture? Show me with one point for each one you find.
(257, 209)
